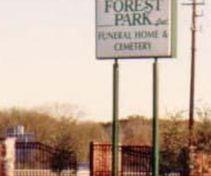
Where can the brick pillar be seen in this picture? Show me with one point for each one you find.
(101, 159)
(10, 156)
(2, 160)
(202, 165)
(192, 162)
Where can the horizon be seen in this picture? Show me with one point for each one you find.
(47, 55)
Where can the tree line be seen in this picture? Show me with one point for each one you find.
(71, 134)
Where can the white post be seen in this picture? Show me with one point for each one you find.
(10, 156)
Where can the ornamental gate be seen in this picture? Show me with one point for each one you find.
(135, 161)
(37, 159)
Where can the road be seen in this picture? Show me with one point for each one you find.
(83, 169)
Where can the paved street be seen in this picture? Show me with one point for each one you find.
(83, 169)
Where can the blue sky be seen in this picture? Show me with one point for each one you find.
(47, 54)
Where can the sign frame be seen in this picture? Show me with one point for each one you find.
(173, 38)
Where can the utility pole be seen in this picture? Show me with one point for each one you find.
(194, 5)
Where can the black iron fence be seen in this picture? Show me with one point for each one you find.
(37, 159)
(174, 164)
(136, 161)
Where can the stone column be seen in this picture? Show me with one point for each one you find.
(10, 156)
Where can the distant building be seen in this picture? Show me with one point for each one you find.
(20, 134)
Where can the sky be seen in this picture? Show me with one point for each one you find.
(47, 55)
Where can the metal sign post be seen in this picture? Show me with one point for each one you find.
(115, 124)
(155, 125)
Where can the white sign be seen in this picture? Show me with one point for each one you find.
(135, 28)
